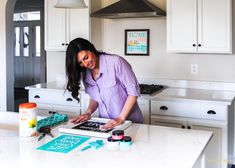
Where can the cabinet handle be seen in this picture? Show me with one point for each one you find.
(69, 99)
(66, 44)
(63, 44)
(211, 112)
(189, 127)
(37, 97)
(183, 126)
(199, 45)
(163, 108)
(194, 45)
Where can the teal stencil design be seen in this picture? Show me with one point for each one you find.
(63, 143)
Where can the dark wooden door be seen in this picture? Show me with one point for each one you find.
(27, 53)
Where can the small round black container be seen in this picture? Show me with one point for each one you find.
(118, 134)
(126, 139)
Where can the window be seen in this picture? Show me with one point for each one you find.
(26, 42)
(38, 42)
(27, 16)
(17, 41)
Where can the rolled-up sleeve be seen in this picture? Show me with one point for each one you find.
(127, 77)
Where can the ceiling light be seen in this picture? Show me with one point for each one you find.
(70, 4)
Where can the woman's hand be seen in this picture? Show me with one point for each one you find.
(81, 118)
(113, 123)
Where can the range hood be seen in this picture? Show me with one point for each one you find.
(129, 9)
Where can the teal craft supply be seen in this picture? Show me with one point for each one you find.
(63, 143)
(97, 144)
(51, 121)
(85, 148)
(100, 142)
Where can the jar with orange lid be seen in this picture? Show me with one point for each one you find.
(28, 119)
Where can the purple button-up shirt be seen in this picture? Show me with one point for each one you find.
(113, 85)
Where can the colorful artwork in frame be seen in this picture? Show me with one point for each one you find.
(137, 42)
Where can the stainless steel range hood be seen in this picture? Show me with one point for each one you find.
(129, 9)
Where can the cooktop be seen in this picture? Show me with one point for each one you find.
(150, 89)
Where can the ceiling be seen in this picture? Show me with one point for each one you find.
(28, 5)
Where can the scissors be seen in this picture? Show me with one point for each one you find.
(45, 131)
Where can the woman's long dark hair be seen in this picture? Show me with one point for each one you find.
(74, 71)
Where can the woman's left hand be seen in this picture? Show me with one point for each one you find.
(113, 123)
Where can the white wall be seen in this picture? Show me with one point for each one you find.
(2, 56)
(160, 64)
(55, 65)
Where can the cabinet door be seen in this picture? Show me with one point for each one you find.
(55, 27)
(214, 26)
(202, 26)
(216, 151)
(168, 121)
(78, 23)
(182, 25)
(145, 109)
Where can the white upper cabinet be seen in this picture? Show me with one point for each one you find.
(199, 26)
(63, 25)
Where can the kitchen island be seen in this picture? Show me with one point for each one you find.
(154, 146)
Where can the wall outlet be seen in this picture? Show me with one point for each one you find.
(194, 69)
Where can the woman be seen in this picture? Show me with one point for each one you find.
(109, 81)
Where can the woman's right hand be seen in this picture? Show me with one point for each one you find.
(81, 118)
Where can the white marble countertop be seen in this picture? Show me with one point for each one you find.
(50, 86)
(153, 146)
(170, 93)
(224, 97)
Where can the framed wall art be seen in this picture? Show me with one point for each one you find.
(137, 42)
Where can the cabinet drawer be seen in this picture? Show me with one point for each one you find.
(211, 111)
(52, 97)
(177, 122)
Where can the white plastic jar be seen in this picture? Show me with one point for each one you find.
(28, 119)
(112, 144)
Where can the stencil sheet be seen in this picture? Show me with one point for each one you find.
(63, 143)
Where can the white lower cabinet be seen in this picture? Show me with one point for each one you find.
(215, 154)
(54, 100)
(144, 105)
(168, 121)
(216, 121)
(59, 101)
